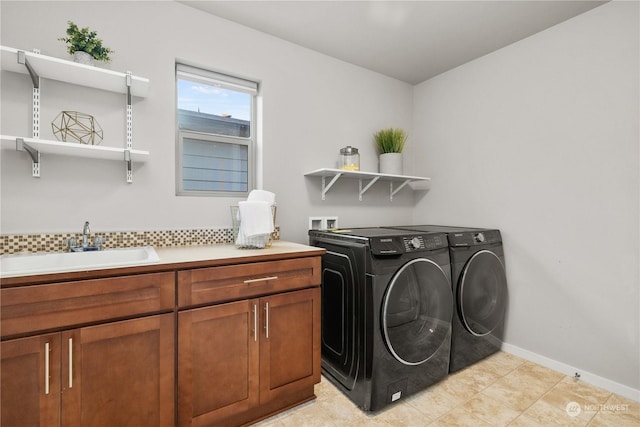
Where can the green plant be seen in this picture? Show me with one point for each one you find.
(390, 140)
(83, 40)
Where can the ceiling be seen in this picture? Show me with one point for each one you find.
(411, 41)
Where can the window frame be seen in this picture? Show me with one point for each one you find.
(228, 82)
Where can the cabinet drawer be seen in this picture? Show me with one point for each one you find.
(36, 308)
(216, 284)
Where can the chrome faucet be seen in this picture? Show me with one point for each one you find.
(71, 244)
(86, 230)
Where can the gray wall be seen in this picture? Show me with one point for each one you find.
(311, 106)
(540, 139)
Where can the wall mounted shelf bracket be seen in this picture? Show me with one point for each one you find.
(392, 192)
(363, 190)
(367, 179)
(325, 187)
(35, 79)
(127, 163)
(22, 59)
(129, 124)
(33, 153)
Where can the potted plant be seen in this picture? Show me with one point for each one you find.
(84, 45)
(390, 142)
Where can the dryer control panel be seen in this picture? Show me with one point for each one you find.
(473, 238)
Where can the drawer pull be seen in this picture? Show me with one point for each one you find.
(46, 368)
(262, 279)
(70, 362)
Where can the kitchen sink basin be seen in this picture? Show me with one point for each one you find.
(26, 264)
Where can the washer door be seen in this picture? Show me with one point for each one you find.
(482, 293)
(416, 311)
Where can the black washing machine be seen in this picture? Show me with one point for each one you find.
(386, 312)
(479, 291)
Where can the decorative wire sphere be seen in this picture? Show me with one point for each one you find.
(77, 126)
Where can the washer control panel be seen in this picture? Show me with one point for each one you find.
(424, 242)
(413, 243)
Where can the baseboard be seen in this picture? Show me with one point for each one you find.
(587, 377)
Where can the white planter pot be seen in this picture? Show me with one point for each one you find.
(83, 58)
(391, 163)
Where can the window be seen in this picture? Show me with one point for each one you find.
(216, 133)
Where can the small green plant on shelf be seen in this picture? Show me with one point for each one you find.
(84, 40)
(390, 140)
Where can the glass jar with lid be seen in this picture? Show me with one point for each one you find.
(349, 159)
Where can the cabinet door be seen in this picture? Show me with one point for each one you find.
(290, 344)
(30, 381)
(119, 374)
(217, 362)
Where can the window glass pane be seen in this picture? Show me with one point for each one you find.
(213, 109)
(214, 166)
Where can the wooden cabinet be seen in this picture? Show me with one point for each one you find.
(101, 351)
(290, 344)
(243, 360)
(219, 284)
(218, 362)
(30, 372)
(119, 374)
(114, 373)
(38, 308)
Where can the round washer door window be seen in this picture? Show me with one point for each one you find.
(482, 293)
(416, 311)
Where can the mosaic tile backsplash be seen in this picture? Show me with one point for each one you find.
(52, 242)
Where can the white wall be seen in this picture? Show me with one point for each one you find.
(540, 139)
(312, 106)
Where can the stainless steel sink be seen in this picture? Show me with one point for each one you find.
(26, 264)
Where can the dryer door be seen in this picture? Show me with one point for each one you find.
(482, 293)
(416, 311)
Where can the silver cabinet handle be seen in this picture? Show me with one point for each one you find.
(46, 368)
(255, 322)
(262, 279)
(70, 362)
(266, 323)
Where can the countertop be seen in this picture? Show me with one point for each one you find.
(176, 258)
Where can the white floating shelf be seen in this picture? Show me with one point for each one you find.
(372, 178)
(74, 149)
(72, 72)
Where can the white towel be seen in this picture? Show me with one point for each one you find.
(256, 218)
(256, 224)
(263, 196)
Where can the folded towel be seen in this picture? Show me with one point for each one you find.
(262, 196)
(256, 224)
(256, 218)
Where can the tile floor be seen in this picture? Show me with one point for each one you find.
(500, 390)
